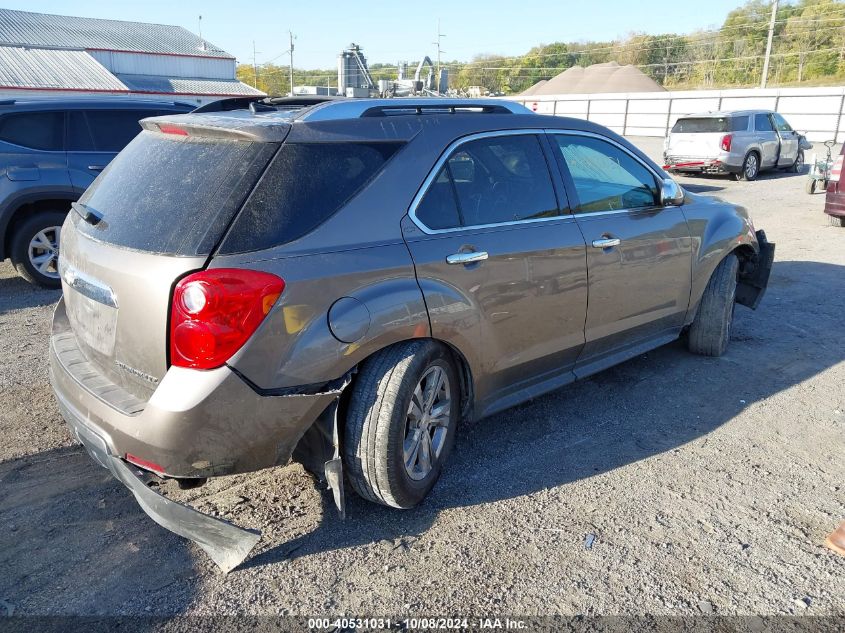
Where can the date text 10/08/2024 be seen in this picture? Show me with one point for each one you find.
(413, 624)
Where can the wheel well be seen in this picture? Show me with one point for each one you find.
(27, 209)
(745, 254)
(464, 372)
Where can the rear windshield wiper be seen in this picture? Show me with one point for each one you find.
(86, 213)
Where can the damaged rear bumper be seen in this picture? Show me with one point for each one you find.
(226, 544)
(754, 274)
(197, 424)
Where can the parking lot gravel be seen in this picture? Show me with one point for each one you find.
(671, 484)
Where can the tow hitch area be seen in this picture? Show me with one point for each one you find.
(226, 544)
(754, 274)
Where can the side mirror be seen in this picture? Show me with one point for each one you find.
(671, 193)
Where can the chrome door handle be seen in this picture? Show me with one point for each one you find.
(607, 242)
(96, 167)
(467, 258)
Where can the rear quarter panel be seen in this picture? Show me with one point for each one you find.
(295, 346)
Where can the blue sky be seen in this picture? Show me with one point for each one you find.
(390, 31)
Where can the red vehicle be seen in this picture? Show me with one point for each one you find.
(834, 204)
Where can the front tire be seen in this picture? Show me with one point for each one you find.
(35, 248)
(401, 422)
(810, 186)
(711, 330)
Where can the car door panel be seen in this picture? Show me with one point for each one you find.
(522, 306)
(767, 138)
(638, 251)
(640, 288)
(788, 141)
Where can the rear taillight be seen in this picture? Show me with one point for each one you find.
(727, 139)
(836, 170)
(215, 311)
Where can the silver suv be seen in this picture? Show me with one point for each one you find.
(742, 143)
(348, 281)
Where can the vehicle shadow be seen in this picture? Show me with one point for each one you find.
(17, 294)
(72, 533)
(651, 404)
(74, 540)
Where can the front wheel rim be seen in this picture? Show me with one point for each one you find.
(427, 423)
(44, 251)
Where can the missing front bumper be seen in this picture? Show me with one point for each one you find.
(228, 545)
(754, 277)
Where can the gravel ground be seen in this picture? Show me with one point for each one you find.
(671, 484)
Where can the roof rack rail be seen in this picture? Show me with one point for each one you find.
(434, 108)
(346, 108)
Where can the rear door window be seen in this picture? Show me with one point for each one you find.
(304, 186)
(605, 176)
(173, 195)
(104, 130)
(35, 130)
(739, 124)
(762, 123)
(490, 181)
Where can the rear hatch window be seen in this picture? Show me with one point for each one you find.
(173, 195)
(304, 185)
(704, 125)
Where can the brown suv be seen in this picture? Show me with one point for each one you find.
(350, 280)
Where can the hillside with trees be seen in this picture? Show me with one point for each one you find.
(808, 49)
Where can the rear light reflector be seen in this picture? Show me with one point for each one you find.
(215, 311)
(836, 170)
(727, 139)
(167, 128)
(143, 463)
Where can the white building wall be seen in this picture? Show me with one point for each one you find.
(819, 112)
(165, 65)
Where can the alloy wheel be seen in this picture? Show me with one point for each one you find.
(751, 166)
(44, 251)
(427, 423)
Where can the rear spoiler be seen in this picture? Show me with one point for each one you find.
(224, 127)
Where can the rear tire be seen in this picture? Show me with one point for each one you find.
(798, 165)
(711, 330)
(399, 405)
(750, 167)
(35, 248)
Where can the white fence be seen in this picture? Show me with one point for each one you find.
(818, 112)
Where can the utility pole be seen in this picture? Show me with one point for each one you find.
(437, 43)
(290, 50)
(254, 66)
(769, 44)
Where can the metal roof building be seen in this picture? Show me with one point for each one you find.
(50, 55)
